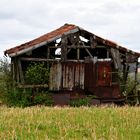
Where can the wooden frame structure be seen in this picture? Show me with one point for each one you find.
(85, 61)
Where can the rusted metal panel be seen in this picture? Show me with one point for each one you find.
(55, 76)
(90, 76)
(61, 99)
(108, 92)
(104, 74)
(98, 80)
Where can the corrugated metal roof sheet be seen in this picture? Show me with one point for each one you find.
(66, 29)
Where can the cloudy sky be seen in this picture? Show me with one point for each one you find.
(24, 20)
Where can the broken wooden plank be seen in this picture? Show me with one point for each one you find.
(32, 86)
(93, 42)
(116, 58)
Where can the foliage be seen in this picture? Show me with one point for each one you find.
(5, 78)
(4, 65)
(37, 73)
(94, 123)
(24, 98)
(81, 102)
(128, 88)
(16, 97)
(43, 98)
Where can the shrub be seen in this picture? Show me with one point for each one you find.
(80, 102)
(23, 98)
(43, 98)
(5, 78)
(37, 73)
(131, 85)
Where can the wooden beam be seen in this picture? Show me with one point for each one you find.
(50, 60)
(116, 58)
(89, 52)
(72, 46)
(131, 58)
(32, 86)
(64, 42)
(136, 81)
(107, 53)
(13, 73)
(48, 52)
(38, 59)
(17, 70)
(78, 54)
(68, 50)
(20, 71)
(93, 42)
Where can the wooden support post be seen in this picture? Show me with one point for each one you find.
(107, 53)
(136, 80)
(116, 58)
(20, 71)
(13, 72)
(125, 74)
(78, 53)
(48, 52)
(17, 70)
(48, 56)
(64, 48)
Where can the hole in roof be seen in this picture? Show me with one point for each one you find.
(58, 51)
(58, 40)
(83, 39)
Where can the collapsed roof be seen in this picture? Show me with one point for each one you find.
(58, 33)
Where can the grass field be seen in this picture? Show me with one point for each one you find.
(40, 123)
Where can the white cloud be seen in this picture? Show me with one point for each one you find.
(22, 20)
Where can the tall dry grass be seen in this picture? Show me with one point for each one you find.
(38, 123)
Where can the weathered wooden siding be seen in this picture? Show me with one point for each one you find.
(73, 75)
(55, 76)
(95, 78)
(66, 76)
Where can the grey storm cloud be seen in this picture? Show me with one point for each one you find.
(23, 20)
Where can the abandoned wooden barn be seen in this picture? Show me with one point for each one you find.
(79, 63)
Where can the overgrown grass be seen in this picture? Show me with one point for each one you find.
(38, 123)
